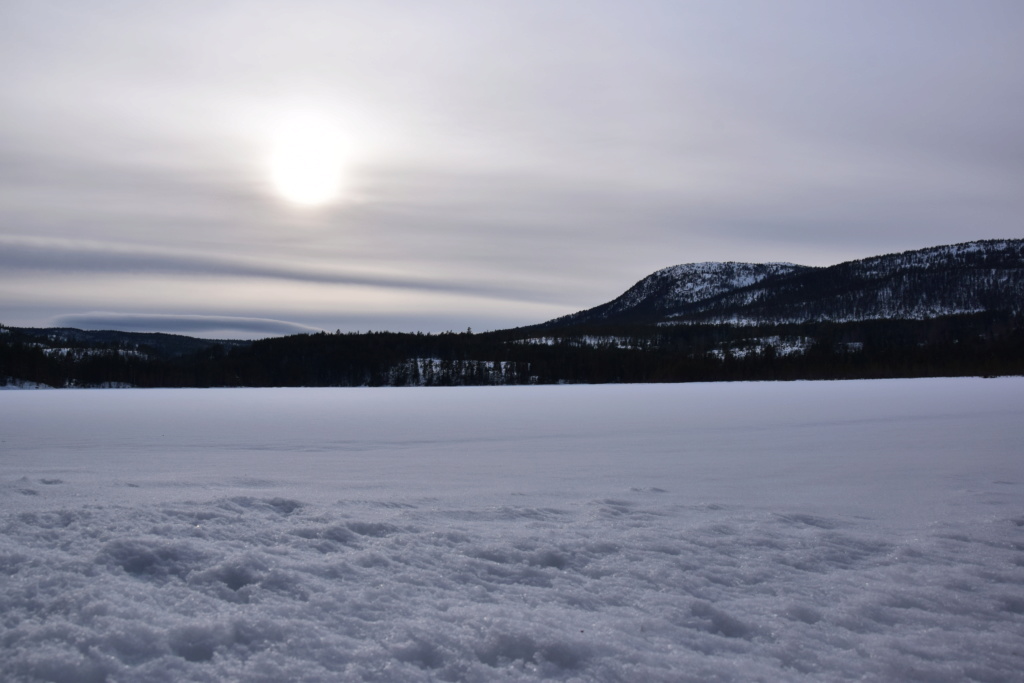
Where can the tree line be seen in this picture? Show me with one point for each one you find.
(977, 344)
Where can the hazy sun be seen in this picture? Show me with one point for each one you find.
(307, 161)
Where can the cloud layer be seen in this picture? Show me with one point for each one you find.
(509, 161)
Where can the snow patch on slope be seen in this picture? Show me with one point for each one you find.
(692, 282)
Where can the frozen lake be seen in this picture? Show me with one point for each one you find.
(701, 532)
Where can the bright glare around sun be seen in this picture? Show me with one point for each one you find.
(307, 161)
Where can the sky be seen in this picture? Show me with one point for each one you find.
(248, 169)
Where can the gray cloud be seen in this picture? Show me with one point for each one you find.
(84, 257)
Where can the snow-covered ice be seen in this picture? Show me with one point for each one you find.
(704, 532)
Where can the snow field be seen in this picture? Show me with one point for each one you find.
(802, 531)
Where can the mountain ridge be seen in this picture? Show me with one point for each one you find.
(968, 277)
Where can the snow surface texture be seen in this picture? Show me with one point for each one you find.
(801, 532)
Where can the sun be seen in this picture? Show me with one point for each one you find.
(308, 160)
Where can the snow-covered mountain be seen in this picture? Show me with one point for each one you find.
(678, 287)
(971, 277)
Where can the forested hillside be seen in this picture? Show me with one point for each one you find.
(971, 277)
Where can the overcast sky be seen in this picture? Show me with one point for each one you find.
(497, 163)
